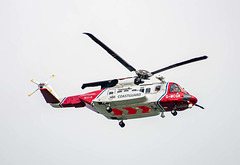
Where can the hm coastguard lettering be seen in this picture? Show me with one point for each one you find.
(129, 95)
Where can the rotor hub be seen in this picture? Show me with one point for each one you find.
(143, 74)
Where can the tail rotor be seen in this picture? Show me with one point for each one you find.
(40, 85)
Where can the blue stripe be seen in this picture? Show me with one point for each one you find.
(99, 95)
(62, 102)
(162, 97)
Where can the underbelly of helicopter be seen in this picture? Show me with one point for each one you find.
(169, 106)
(130, 111)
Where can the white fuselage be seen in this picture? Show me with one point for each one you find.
(129, 101)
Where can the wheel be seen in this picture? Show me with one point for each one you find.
(162, 115)
(122, 124)
(108, 109)
(174, 112)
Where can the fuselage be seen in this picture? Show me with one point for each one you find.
(129, 101)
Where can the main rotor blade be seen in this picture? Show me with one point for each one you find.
(180, 64)
(111, 52)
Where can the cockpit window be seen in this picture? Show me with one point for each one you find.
(111, 92)
(142, 90)
(182, 89)
(174, 88)
(148, 90)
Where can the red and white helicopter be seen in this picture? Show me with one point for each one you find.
(128, 98)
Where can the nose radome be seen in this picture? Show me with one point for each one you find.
(193, 100)
(186, 97)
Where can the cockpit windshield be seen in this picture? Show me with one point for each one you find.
(182, 89)
(174, 88)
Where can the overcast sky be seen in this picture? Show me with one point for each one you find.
(41, 38)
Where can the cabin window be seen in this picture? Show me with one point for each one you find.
(142, 90)
(148, 90)
(111, 92)
(119, 91)
(125, 90)
(134, 90)
(174, 88)
(158, 88)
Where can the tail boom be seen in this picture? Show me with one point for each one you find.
(72, 101)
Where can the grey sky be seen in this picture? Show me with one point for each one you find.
(41, 38)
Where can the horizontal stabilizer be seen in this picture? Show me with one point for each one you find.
(72, 101)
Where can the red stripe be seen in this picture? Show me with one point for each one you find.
(131, 110)
(117, 112)
(144, 109)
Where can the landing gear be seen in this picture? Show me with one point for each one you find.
(122, 124)
(174, 112)
(108, 109)
(162, 114)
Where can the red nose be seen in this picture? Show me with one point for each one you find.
(193, 100)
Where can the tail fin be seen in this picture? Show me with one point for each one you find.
(49, 96)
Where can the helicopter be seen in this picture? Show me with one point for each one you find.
(140, 96)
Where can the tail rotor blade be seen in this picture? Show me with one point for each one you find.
(35, 82)
(49, 78)
(34, 92)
